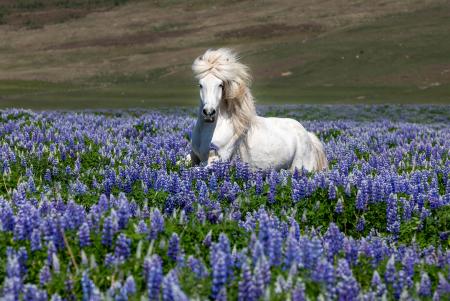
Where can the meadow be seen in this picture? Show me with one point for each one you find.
(130, 53)
(98, 205)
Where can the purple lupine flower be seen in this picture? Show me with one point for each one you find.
(242, 171)
(274, 247)
(108, 231)
(203, 193)
(377, 285)
(13, 273)
(156, 224)
(214, 212)
(197, 267)
(168, 282)
(6, 216)
(213, 183)
(142, 227)
(35, 240)
(219, 273)
(263, 268)
(122, 249)
(389, 274)
(123, 212)
(335, 238)
(110, 260)
(225, 191)
(360, 224)
(324, 272)
(129, 286)
(361, 203)
(436, 296)
(208, 239)
(393, 222)
(56, 297)
(239, 257)
(246, 287)
(444, 235)
(201, 215)
(48, 175)
(312, 250)
(16, 264)
(154, 275)
(408, 207)
(174, 247)
(56, 266)
(292, 251)
(339, 206)
(44, 275)
(332, 191)
(224, 246)
(294, 228)
(409, 261)
(87, 287)
(298, 292)
(347, 287)
(400, 284)
(264, 228)
(298, 188)
(348, 189)
(259, 280)
(32, 293)
(259, 184)
(84, 235)
(424, 289)
(178, 293)
(351, 250)
(12, 287)
(319, 274)
(25, 222)
(272, 181)
(443, 286)
(31, 185)
(103, 203)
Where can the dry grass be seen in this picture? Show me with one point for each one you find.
(126, 39)
(291, 45)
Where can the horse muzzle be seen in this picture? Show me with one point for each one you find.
(209, 115)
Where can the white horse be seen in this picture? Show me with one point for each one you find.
(228, 126)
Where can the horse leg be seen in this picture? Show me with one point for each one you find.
(192, 158)
(223, 154)
(213, 156)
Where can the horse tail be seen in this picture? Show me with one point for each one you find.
(320, 158)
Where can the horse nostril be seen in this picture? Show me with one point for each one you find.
(209, 113)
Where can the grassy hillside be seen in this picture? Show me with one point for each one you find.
(138, 53)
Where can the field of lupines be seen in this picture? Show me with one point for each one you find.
(98, 205)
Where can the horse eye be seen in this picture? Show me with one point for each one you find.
(221, 86)
(200, 86)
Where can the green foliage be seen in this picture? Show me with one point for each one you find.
(147, 128)
(428, 232)
(330, 134)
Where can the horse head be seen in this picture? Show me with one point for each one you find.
(224, 87)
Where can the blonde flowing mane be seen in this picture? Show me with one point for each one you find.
(238, 101)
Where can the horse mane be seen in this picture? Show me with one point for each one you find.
(224, 64)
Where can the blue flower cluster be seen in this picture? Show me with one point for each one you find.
(101, 205)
